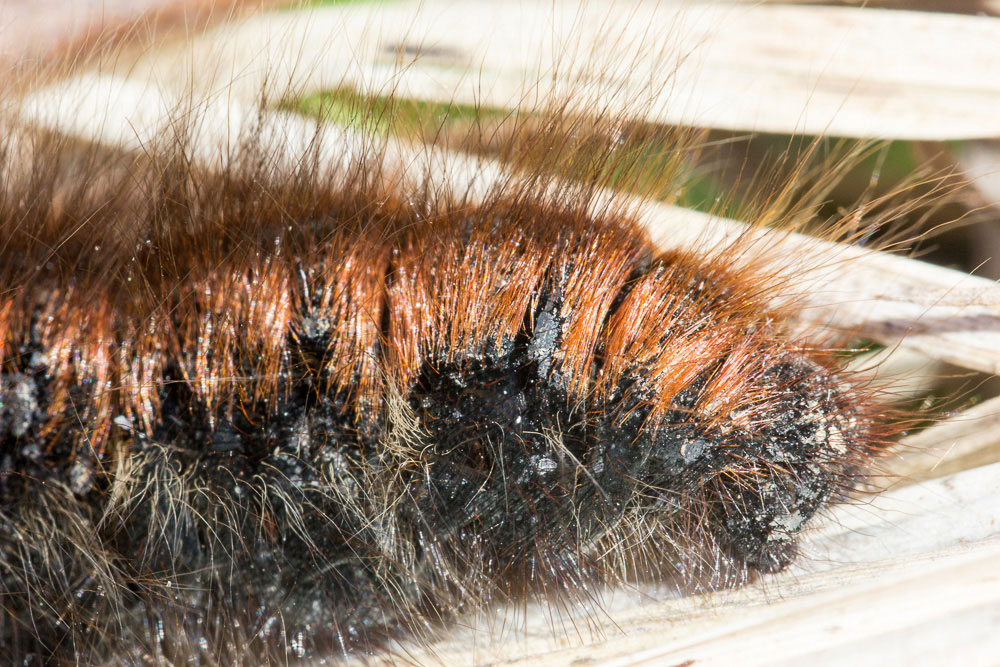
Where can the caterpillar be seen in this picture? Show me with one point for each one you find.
(295, 405)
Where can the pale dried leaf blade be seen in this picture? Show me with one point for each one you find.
(786, 69)
(920, 559)
(888, 298)
(963, 441)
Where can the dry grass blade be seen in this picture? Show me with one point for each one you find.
(771, 68)
(891, 299)
(861, 614)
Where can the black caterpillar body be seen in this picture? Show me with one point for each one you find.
(270, 417)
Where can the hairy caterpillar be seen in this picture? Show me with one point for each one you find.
(285, 411)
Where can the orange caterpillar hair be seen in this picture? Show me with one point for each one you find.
(275, 412)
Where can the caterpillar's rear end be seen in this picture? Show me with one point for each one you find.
(278, 412)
